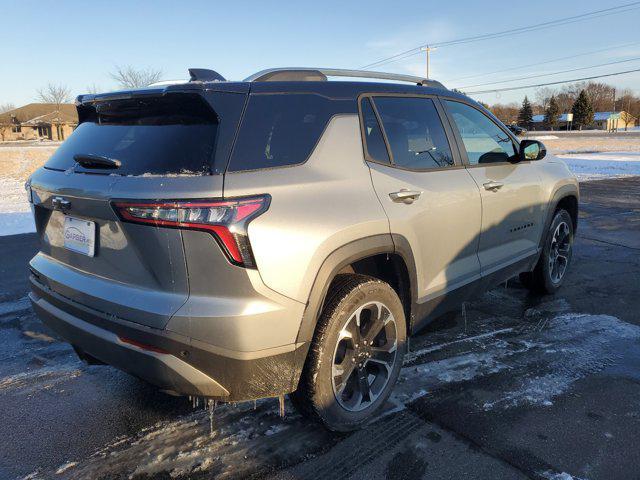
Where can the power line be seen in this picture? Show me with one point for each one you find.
(507, 89)
(526, 77)
(526, 29)
(558, 59)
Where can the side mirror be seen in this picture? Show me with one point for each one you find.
(532, 150)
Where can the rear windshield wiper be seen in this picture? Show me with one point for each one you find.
(96, 161)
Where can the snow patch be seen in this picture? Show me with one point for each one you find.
(596, 165)
(15, 210)
(65, 467)
(558, 476)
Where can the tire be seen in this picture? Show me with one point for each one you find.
(554, 261)
(350, 369)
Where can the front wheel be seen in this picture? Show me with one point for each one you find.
(557, 250)
(356, 355)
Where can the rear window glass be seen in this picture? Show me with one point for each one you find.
(279, 130)
(174, 134)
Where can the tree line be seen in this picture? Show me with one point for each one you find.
(125, 77)
(582, 99)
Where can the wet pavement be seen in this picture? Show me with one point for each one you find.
(519, 387)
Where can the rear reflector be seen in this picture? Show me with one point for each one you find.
(142, 346)
(226, 220)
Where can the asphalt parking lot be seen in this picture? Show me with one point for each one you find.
(518, 387)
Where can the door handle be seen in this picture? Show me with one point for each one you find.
(405, 196)
(493, 185)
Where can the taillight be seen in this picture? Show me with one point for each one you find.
(226, 220)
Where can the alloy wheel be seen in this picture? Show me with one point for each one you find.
(559, 252)
(364, 357)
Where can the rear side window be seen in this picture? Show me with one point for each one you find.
(415, 133)
(279, 130)
(376, 147)
(173, 134)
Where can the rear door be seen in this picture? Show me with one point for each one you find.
(152, 148)
(512, 196)
(428, 195)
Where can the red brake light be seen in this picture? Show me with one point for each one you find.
(226, 220)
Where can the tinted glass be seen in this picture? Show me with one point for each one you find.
(168, 135)
(279, 130)
(373, 135)
(414, 131)
(484, 141)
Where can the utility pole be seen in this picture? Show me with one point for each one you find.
(428, 49)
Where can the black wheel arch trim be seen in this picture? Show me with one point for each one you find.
(344, 256)
(560, 194)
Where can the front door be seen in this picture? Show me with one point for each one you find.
(431, 200)
(512, 196)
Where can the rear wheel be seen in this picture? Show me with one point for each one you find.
(549, 273)
(356, 354)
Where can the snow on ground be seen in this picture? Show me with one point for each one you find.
(597, 165)
(529, 364)
(15, 211)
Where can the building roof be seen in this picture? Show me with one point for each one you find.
(563, 117)
(601, 116)
(35, 113)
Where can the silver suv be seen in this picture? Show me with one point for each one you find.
(286, 234)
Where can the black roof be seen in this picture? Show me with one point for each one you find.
(343, 90)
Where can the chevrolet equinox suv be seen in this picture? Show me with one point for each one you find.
(286, 234)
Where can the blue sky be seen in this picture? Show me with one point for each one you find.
(79, 43)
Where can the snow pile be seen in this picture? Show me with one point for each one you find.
(15, 210)
(592, 166)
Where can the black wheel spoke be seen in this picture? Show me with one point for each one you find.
(363, 384)
(380, 355)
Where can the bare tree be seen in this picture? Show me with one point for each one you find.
(5, 107)
(543, 96)
(130, 77)
(53, 93)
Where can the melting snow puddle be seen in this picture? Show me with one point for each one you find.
(532, 362)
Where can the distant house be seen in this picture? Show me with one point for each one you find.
(37, 121)
(612, 121)
(564, 122)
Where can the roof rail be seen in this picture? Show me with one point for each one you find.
(321, 74)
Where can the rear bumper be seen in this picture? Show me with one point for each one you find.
(170, 361)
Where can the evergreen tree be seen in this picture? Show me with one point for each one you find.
(582, 110)
(552, 113)
(525, 115)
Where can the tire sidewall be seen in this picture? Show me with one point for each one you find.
(326, 403)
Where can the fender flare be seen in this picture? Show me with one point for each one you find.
(568, 190)
(336, 261)
(340, 258)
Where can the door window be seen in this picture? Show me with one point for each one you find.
(415, 133)
(483, 140)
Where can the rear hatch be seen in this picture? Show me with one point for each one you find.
(155, 145)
